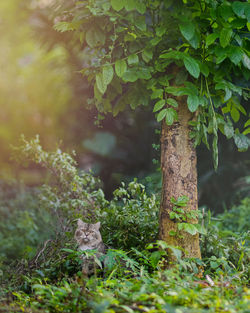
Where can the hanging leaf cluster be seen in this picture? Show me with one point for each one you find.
(150, 52)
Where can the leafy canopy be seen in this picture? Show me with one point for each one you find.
(141, 50)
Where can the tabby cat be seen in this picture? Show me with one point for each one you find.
(88, 237)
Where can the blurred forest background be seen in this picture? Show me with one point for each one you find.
(42, 92)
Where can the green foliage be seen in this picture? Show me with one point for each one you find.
(130, 219)
(24, 225)
(130, 278)
(184, 217)
(237, 219)
(174, 290)
(139, 49)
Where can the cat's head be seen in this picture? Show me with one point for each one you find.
(88, 234)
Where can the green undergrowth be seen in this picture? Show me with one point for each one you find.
(41, 267)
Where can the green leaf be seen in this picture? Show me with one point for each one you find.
(228, 130)
(129, 5)
(117, 5)
(157, 93)
(214, 264)
(140, 6)
(140, 23)
(102, 87)
(143, 72)
(107, 74)
(246, 131)
(161, 115)
(228, 94)
(242, 142)
(235, 114)
(247, 12)
(193, 103)
(235, 55)
(215, 152)
(159, 105)
(187, 29)
(172, 55)
(226, 11)
(147, 55)
(247, 123)
(95, 37)
(204, 69)
(192, 66)
(172, 102)
(246, 61)
(190, 228)
(130, 76)
(211, 38)
(133, 59)
(171, 116)
(225, 36)
(154, 259)
(195, 40)
(238, 8)
(120, 67)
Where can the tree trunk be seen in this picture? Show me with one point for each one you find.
(179, 172)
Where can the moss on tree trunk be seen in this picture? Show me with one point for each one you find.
(178, 163)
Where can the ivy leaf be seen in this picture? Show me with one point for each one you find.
(193, 103)
(192, 66)
(120, 67)
(225, 36)
(107, 74)
(133, 59)
(102, 87)
(117, 5)
(187, 29)
(159, 105)
(161, 115)
(172, 102)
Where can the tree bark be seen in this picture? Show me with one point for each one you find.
(179, 172)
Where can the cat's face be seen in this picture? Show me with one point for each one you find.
(87, 234)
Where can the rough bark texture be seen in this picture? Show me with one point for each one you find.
(178, 162)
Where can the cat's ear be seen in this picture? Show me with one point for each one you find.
(97, 225)
(80, 223)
